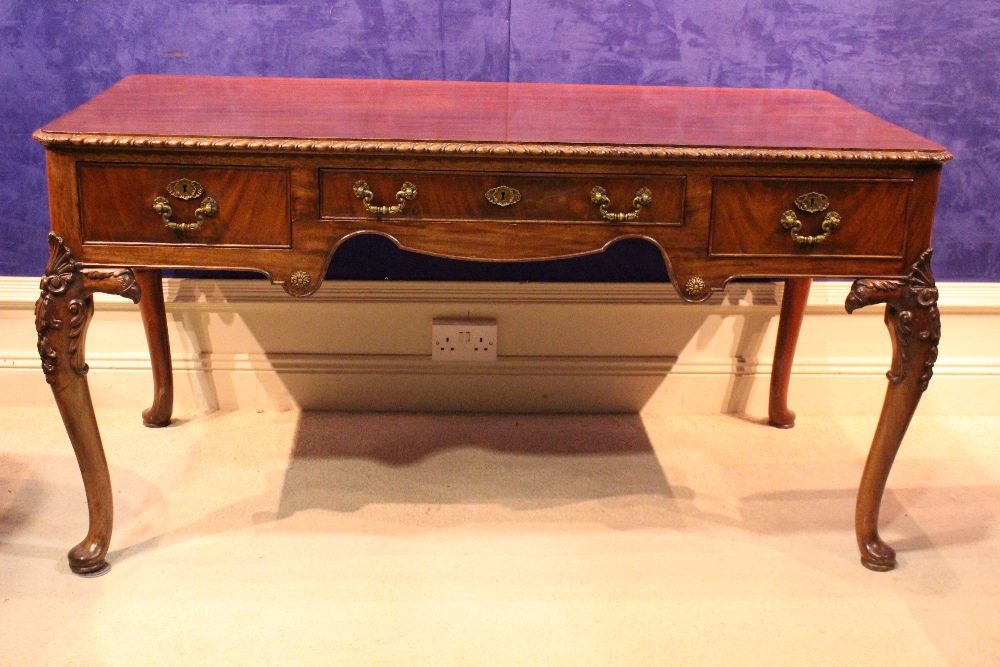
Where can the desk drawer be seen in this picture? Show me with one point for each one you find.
(747, 216)
(448, 196)
(251, 205)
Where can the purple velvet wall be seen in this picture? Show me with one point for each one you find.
(933, 67)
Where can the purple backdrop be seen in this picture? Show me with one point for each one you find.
(931, 67)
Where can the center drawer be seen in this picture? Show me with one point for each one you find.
(550, 198)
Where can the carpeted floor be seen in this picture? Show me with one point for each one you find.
(345, 539)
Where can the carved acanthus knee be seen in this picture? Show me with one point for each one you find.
(911, 315)
(64, 309)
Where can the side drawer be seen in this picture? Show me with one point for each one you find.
(449, 196)
(117, 204)
(747, 216)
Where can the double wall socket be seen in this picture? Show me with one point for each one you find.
(463, 340)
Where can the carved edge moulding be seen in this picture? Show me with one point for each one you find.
(58, 139)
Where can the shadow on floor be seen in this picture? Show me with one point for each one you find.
(343, 462)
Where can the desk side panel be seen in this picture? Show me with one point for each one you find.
(64, 197)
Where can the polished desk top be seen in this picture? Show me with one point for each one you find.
(478, 112)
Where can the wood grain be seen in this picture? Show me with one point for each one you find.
(746, 217)
(117, 205)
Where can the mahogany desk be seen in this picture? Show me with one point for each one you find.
(274, 174)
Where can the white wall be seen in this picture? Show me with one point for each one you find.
(562, 347)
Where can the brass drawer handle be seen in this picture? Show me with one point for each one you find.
(811, 202)
(600, 197)
(408, 192)
(185, 189)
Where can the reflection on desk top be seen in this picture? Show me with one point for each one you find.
(236, 108)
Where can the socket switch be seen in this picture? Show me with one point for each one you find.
(463, 340)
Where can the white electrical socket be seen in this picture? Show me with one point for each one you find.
(463, 340)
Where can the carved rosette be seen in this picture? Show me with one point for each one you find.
(300, 282)
(64, 308)
(911, 315)
(694, 286)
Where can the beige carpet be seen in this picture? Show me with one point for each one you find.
(334, 539)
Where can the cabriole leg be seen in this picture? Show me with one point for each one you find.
(154, 320)
(62, 315)
(793, 307)
(911, 314)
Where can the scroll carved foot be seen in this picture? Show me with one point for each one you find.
(911, 314)
(62, 315)
(154, 320)
(793, 307)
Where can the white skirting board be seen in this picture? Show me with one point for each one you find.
(244, 344)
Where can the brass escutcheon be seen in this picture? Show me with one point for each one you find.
(185, 189)
(600, 197)
(812, 202)
(503, 196)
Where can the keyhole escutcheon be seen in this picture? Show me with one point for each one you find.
(186, 189)
(812, 202)
(503, 196)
